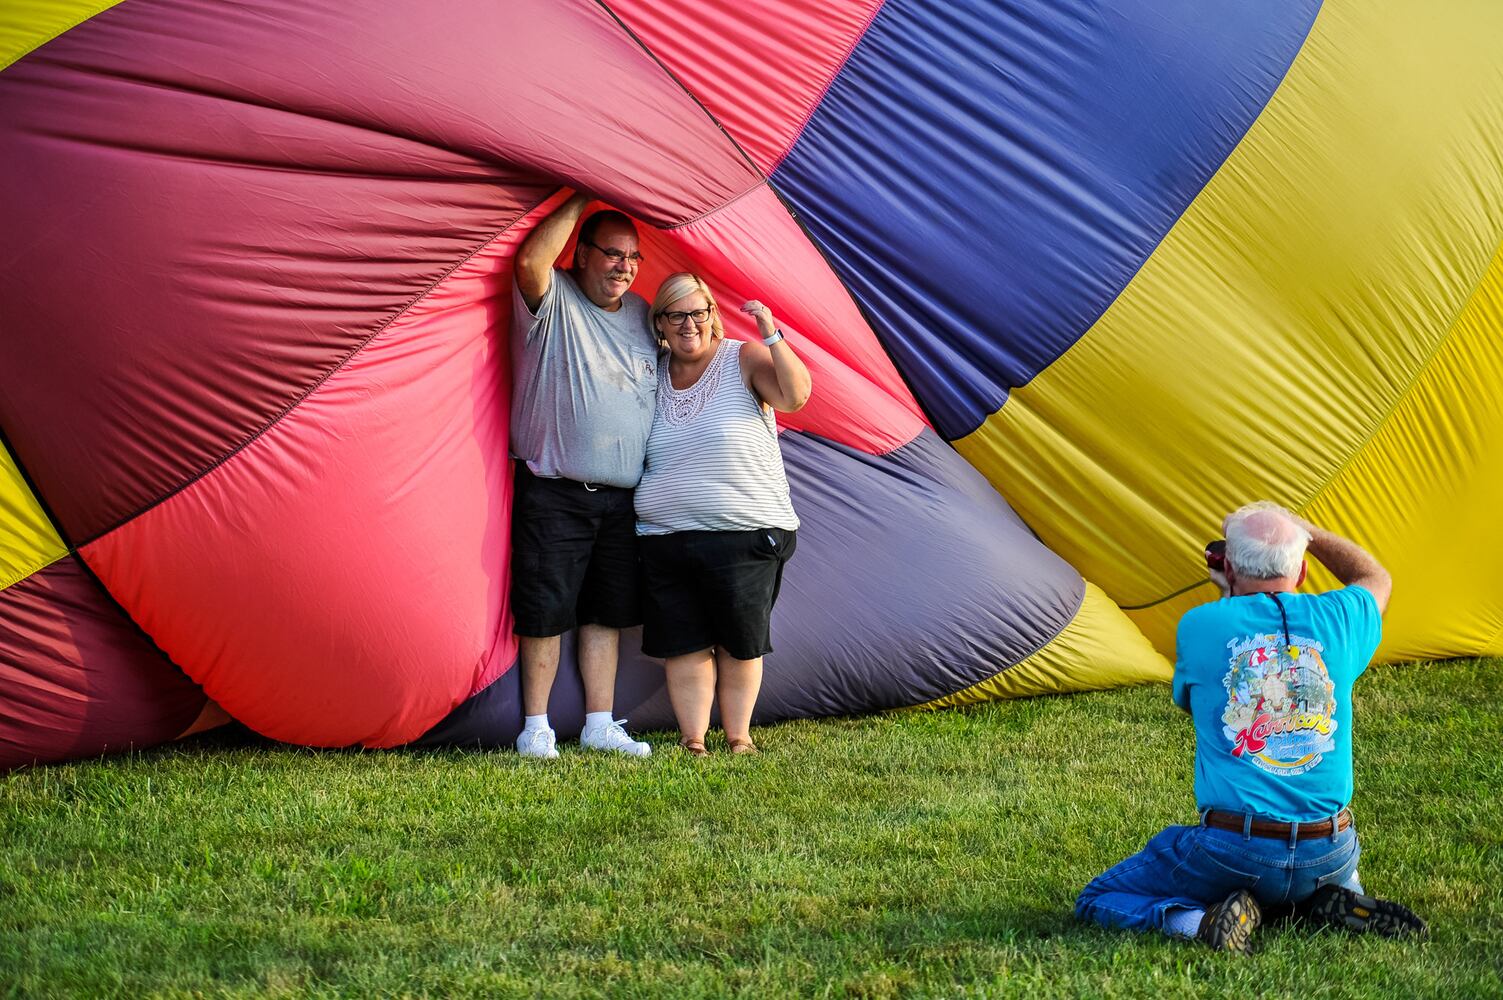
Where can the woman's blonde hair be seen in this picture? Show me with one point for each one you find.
(677, 286)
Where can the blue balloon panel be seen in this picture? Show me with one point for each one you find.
(1041, 149)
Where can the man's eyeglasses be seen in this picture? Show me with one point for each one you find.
(616, 256)
(677, 318)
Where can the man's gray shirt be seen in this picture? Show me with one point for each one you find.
(584, 383)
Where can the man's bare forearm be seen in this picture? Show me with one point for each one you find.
(1343, 557)
(1349, 562)
(542, 246)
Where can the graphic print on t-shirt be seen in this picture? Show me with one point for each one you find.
(1281, 704)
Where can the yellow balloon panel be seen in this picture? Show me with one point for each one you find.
(1427, 491)
(27, 540)
(1315, 329)
(27, 24)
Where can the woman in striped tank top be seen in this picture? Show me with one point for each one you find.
(713, 512)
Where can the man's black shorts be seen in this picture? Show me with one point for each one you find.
(573, 556)
(712, 588)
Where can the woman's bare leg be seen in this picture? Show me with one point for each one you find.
(738, 685)
(691, 690)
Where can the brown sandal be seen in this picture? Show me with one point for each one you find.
(743, 746)
(696, 748)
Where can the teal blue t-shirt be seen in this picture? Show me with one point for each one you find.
(1273, 722)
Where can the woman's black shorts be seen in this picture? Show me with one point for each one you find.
(712, 588)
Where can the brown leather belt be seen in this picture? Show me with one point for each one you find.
(1236, 822)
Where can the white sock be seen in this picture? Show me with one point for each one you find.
(1353, 883)
(535, 722)
(1180, 922)
(596, 721)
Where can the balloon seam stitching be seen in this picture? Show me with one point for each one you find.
(868, 319)
(313, 386)
(36, 495)
(830, 82)
(8, 60)
(1189, 203)
(766, 179)
(844, 286)
(8, 582)
(761, 182)
(1069, 620)
(1420, 371)
(1309, 31)
(1419, 374)
(110, 599)
(674, 77)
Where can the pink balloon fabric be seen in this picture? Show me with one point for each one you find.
(255, 368)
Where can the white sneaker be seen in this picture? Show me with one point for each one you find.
(537, 743)
(613, 737)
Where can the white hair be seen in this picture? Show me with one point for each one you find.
(1264, 542)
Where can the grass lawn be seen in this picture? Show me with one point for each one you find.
(921, 854)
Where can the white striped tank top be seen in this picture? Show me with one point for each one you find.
(713, 462)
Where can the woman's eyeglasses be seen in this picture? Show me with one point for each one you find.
(677, 318)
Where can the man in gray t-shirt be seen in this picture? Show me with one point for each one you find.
(584, 365)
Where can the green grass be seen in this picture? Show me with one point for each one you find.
(931, 854)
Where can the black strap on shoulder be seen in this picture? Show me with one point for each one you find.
(1283, 617)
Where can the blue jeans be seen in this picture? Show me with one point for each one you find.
(1193, 867)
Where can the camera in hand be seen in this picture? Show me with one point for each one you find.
(1216, 555)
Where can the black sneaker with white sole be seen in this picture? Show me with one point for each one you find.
(1229, 925)
(1335, 906)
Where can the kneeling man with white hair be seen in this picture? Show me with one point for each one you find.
(1266, 674)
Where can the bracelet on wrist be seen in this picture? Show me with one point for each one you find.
(772, 338)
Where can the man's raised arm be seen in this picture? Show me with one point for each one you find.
(1350, 563)
(535, 257)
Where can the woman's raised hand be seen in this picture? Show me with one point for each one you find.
(763, 315)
